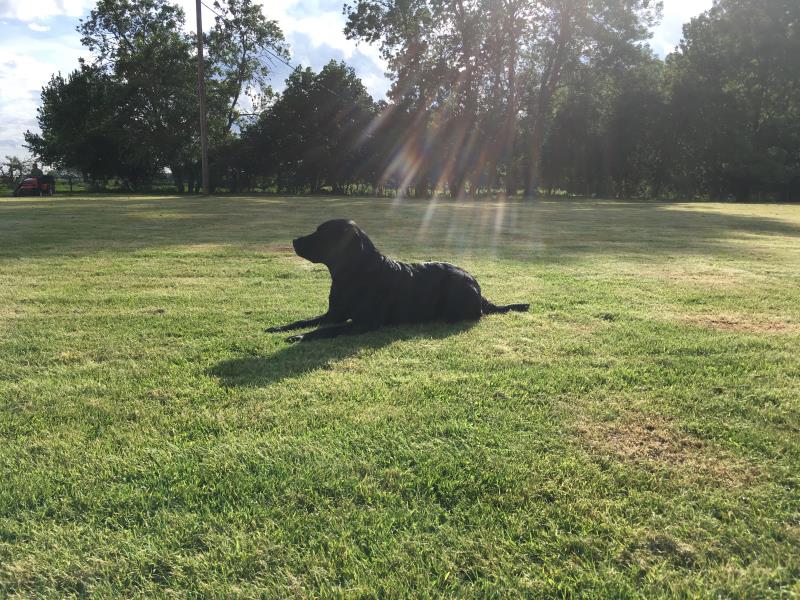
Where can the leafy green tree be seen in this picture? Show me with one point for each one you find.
(239, 49)
(636, 130)
(606, 137)
(137, 102)
(735, 100)
(485, 94)
(141, 45)
(80, 128)
(563, 35)
(315, 134)
(13, 168)
(572, 155)
(472, 67)
(437, 52)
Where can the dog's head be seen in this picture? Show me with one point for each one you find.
(335, 243)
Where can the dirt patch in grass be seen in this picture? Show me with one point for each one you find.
(743, 323)
(203, 247)
(654, 443)
(704, 278)
(691, 274)
(650, 549)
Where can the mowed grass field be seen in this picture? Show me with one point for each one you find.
(636, 434)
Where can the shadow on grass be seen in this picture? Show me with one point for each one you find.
(515, 230)
(295, 360)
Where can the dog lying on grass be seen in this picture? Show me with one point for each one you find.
(369, 290)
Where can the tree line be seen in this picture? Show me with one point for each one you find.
(487, 96)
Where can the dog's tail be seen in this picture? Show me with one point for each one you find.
(488, 307)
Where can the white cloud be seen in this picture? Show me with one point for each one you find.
(315, 34)
(676, 12)
(323, 29)
(18, 109)
(37, 27)
(25, 66)
(310, 28)
(301, 18)
(376, 85)
(30, 10)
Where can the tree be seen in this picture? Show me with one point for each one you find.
(573, 152)
(141, 46)
(735, 100)
(239, 49)
(80, 128)
(133, 111)
(437, 54)
(485, 94)
(13, 168)
(636, 129)
(457, 64)
(563, 35)
(314, 135)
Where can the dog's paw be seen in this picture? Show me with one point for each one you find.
(292, 339)
(273, 330)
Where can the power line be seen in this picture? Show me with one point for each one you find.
(286, 62)
(211, 9)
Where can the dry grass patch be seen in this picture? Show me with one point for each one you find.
(280, 249)
(698, 275)
(743, 323)
(377, 413)
(713, 279)
(203, 248)
(654, 443)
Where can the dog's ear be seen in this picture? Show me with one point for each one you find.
(365, 245)
(351, 244)
(356, 250)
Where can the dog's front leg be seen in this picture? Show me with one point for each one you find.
(299, 324)
(330, 332)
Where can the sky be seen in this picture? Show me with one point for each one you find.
(38, 38)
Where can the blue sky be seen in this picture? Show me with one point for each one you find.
(38, 38)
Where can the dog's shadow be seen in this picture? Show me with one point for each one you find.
(295, 360)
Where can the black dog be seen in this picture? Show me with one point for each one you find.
(371, 290)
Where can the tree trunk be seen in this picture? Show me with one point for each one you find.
(457, 185)
(177, 176)
(550, 80)
(510, 127)
(534, 161)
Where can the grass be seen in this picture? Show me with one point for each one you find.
(636, 434)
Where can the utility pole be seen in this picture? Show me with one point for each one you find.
(201, 87)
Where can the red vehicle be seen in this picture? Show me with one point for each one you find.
(41, 185)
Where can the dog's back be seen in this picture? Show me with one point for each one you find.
(422, 292)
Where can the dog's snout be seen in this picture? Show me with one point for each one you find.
(300, 246)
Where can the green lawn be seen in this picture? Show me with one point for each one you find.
(637, 433)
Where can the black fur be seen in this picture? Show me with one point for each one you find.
(369, 290)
